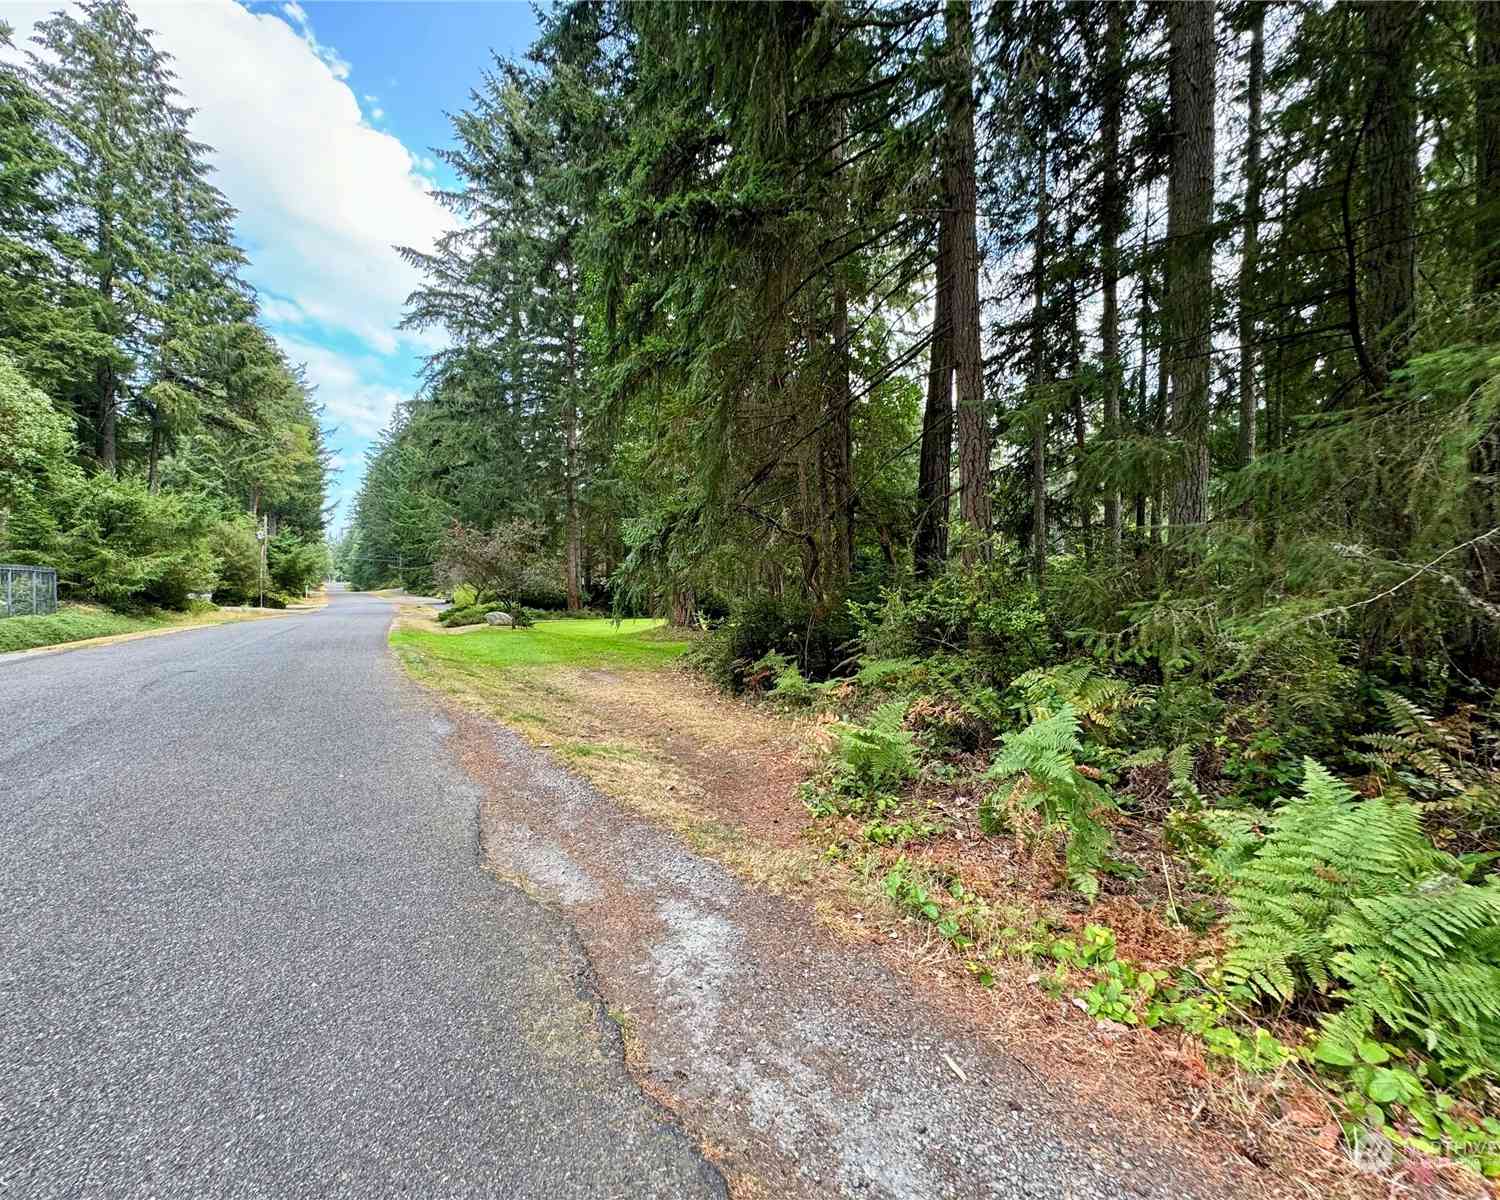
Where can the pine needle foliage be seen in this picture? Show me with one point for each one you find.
(1041, 764)
(1345, 896)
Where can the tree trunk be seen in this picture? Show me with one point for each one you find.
(1039, 370)
(108, 413)
(683, 607)
(1485, 460)
(1390, 178)
(154, 455)
(1189, 235)
(1487, 147)
(1143, 414)
(935, 470)
(1250, 251)
(968, 366)
(1082, 496)
(836, 454)
(570, 470)
(1111, 218)
(1159, 405)
(812, 508)
(106, 384)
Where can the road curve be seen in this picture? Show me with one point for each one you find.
(248, 949)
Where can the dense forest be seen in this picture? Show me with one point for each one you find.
(149, 422)
(1181, 313)
(1100, 399)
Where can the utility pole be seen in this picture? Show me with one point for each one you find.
(260, 536)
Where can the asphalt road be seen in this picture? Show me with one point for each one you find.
(247, 947)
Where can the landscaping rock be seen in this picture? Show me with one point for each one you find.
(499, 618)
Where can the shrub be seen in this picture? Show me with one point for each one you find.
(541, 591)
(474, 614)
(233, 544)
(1345, 895)
(510, 561)
(36, 456)
(992, 614)
(294, 565)
(126, 545)
(764, 625)
(789, 687)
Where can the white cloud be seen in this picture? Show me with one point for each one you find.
(281, 312)
(377, 113)
(352, 388)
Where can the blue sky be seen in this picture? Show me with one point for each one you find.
(419, 59)
(323, 116)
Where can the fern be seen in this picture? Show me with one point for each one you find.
(878, 754)
(1180, 764)
(1041, 760)
(1239, 834)
(1097, 699)
(887, 672)
(1422, 753)
(1424, 965)
(1346, 896)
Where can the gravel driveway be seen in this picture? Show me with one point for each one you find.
(248, 946)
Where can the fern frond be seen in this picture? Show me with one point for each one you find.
(1097, 698)
(1346, 894)
(1043, 757)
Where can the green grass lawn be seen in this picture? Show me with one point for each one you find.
(581, 643)
(73, 623)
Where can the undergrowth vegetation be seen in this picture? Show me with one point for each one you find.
(1314, 849)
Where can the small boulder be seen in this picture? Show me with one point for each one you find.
(499, 618)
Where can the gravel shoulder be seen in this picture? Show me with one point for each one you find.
(806, 1067)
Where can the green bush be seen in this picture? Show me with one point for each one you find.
(539, 591)
(991, 614)
(765, 625)
(470, 614)
(233, 544)
(474, 614)
(127, 546)
(36, 461)
(293, 564)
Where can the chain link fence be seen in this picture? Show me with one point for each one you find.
(27, 591)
